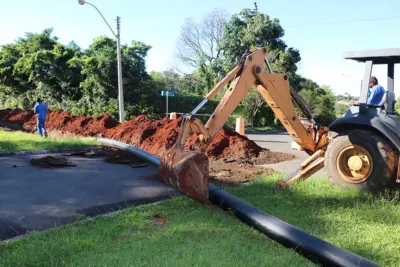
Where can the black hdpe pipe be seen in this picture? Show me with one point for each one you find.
(313, 248)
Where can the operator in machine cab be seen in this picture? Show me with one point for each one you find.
(375, 92)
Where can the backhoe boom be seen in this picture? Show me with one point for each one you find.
(276, 91)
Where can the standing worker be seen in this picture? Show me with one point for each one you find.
(41, 111)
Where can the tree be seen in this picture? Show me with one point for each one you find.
(321, 102)
(397, 105)
(251, 105)
(345, 97)
(250, 29)
(81, 81)
(186, 84)
(85, 81)
(193, 84)
(38, 64)
(100, 85)
(341, 109)
(199, 45)
(169, 80)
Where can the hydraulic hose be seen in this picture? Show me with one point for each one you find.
(313, 248)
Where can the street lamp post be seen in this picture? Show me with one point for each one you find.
(119, 59)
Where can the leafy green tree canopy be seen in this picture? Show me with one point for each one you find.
(38, 61)
(250, 29)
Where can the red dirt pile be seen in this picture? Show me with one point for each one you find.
(229, 144)
(17, 117)
(89, 126)
(153, 136)
(163, 139)
(60, 121)
(134, 131)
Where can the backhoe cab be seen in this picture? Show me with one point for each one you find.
(364, 152)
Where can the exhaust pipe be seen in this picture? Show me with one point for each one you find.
(313, 248)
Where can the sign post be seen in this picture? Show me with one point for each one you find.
(167, 94)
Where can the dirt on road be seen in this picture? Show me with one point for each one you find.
(233, 157)
(51, 162)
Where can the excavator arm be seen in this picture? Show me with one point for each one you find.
(187, 170)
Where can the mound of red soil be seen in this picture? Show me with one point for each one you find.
(163, 139)
(88, 126)
(16, 115)
(153, 136)
(229, 144)
(60, 121)
(134, 131)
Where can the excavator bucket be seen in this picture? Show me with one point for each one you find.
(187, 172)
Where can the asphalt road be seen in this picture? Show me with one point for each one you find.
(33, 198)
(282, 142)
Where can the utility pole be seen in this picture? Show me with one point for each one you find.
(119, 59)
(120, 86)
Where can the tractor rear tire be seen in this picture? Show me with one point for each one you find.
(361, 159)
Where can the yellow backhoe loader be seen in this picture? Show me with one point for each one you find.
(349, 160)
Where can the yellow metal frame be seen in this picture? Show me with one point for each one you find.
(345, 168)
(276, 91)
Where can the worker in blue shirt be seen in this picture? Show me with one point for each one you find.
(41, 111)
(375, 92)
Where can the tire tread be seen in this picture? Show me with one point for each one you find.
(386, 150)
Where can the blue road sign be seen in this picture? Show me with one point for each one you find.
(170, 93)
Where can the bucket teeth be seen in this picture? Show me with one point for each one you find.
(187, 172)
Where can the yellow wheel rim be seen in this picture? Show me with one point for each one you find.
(354, 164)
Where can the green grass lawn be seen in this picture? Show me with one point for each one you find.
(20, 141)
(194, 235)
(199, 235)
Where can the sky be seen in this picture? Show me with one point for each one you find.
(311, 26)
